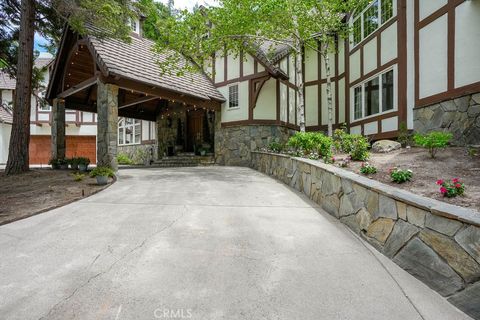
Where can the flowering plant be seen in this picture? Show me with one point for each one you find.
(400, 176)
(344, 163)
(451, 189)
(367, 168)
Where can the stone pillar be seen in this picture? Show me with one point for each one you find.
(58, 129)
(107, 125)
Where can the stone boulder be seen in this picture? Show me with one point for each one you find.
(385, 146)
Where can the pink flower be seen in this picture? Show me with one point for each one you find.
(440, 182)
(458, 185)
(455, 180)
(443, 190)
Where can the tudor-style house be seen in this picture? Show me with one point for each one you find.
(411, 64)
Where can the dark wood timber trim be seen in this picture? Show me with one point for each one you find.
(78, 87)
(255, 87)
(374, 72)
(244, 78)
(323, 81)
(347, 81)
(375, 33)
(319, 84)
(259, 122)
(337, 107)
(452, 92)
(402, 61)
(382, 116)
(137, 101)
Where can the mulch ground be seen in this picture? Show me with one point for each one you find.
(40, 190)
(450, 163)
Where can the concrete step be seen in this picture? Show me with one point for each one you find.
(185, 161)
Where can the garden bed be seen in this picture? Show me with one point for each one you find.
(450, 163)
(40, 190)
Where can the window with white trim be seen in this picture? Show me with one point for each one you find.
(375, 96)
(135, 25)
(372, 17)
(129, 131)
(233, 97)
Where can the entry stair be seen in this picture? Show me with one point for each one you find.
(185, 160)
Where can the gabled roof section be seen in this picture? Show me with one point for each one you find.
(5, 115)
(269, 53)
(137, 61)
(6, 82)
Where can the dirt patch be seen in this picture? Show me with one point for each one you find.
(40, 190)
(448, 164)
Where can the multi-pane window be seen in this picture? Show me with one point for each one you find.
(387, 91)
(357, 102)
(370, 19)
(374, 96)
(129, 131)
(233, 96)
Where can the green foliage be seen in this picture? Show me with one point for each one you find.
(451, 189)
(78, 176)
(433, 141)
(123, 158)
(154, 12)
(312, 142)
(342, 141)
(404, 136)
(102, 171)
(401, 176)
(472, 152)
(276, 147)
(367, 169)
(83, 161)
(358, 147)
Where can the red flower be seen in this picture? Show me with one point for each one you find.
(458, 185)
(440, 182)
(455, 180)
(443, 190)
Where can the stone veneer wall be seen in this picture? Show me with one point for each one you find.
(436, 242)
(460, 116)
(233, 145)
(137, 151)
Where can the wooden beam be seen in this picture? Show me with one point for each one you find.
(78, 87)
(137, 101)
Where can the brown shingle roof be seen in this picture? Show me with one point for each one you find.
(137, 61)
(5, 115)
(6, 82)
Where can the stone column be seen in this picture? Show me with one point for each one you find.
(107, 125)
(58, 129)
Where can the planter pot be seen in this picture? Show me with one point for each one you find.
(202, 153)
(102, 180)
(64, 166)
(74, 166)
(82, 167)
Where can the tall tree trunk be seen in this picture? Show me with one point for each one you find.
(20, 137)
(299, 77)
(329, 91)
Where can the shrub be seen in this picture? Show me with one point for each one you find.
(433, 141)
(275, 147)
(359, 147)
(83, 161)
(102, 171)
(123, 158)
(401, 176)
(342, 141)
(310, 142)
(404, 136)
(78, 176)
(451, 189)
(367, 169)
(344, 163)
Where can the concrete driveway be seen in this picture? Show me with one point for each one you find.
(201, 243)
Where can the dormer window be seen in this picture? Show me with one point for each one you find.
(135, 25)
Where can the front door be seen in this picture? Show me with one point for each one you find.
(194, 128)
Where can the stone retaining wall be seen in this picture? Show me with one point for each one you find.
(460, 116)
(436, 242)
(139, 152)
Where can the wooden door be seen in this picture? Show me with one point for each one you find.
(194, 128)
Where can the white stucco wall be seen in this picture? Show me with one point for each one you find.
(240, 113)
(467, 43)
(291, 106)
(410, 64)
(266, 107)
(389, 44)
(427, 7)
(311, 65)
(341, 56)
(370, 128)
(219, 68)
(7, 96)
(354, 66)
(5, 130)
(390, 124)
(370, 56)
(233, 67)
(311, 105)
(248, 65)
(341, 101)
(433, 58)
(283, 102)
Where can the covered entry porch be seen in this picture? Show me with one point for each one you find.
(116, 79)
